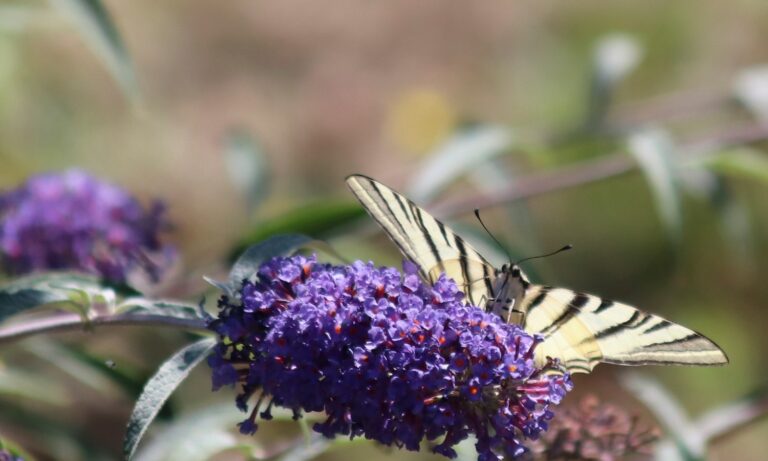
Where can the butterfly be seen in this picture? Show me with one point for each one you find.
(579, 329)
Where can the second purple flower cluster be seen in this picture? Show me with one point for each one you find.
(385, 356)
(74, 221)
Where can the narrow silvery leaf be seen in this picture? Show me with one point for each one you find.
(65, 360)
(724, 419)
(465, 451)
(733, 216)
(174, 309)
(459, 155)
(97, 28)
(221, 286)
(280, 245)
(751, 89)
(17, 301)
(654, 151)
(736, 226)
(16, 17)
(195, 436)
(614, 57)
(306, 451)
(159, 388)
(68, 289)
(685, 441)
(18, 384)
(247, 168)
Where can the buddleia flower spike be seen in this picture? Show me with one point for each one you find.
(384, 355)
(74, 221)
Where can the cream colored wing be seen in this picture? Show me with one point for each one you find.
(430, 244)
(583, 330)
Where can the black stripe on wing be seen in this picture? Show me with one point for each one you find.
(571, 310)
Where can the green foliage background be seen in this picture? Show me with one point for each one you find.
(171, 99)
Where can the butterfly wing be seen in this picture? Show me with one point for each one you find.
(429, 243)
(579, 329)
(582, 330)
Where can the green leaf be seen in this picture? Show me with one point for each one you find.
(654, 152)
(247, 167)
(280, 245)
(316, 219)
(99, 31)
(43, 289)
(743, 162)
(459, 155)
(159, 388)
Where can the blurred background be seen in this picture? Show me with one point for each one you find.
(634, 130)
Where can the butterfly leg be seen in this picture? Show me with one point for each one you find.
(511, 311)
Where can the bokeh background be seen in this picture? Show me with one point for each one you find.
(245, 117)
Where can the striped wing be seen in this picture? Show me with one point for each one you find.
(582, 330)
(425, 240)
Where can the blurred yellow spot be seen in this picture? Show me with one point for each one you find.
(420, 119)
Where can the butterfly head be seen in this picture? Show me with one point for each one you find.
(509, 289)
(515, 271)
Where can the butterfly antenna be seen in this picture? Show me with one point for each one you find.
(565, 248)
(477, 214)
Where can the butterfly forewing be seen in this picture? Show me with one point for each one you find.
(583, 330)
(425, 240)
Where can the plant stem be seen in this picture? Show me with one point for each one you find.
(593, 170)
(70, 322)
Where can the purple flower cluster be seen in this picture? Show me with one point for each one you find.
(384, 355)
(72, 220)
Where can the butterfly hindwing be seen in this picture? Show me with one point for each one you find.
(430, 244)
(582, 330)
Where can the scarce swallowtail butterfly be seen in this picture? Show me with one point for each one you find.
(579, 329)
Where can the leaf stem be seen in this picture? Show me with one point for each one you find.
(70, 322)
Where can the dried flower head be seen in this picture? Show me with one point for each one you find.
(384, 355)
(594, 431)
(71, 220)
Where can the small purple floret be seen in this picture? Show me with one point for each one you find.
(73, 221)
(385, 356)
